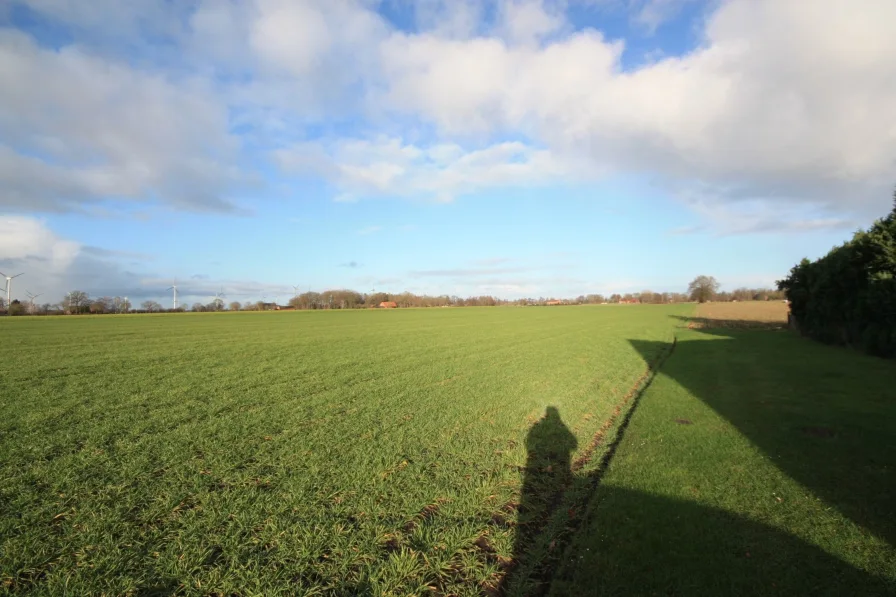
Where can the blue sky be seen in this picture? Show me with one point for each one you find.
(505, 147)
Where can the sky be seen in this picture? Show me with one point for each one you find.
(518, 148)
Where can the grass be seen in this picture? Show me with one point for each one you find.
(757, 463)
(357, 452)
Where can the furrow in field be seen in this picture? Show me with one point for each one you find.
(320, 452)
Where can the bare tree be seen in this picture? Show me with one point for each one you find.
(235, 306)
(120, 305)
(151, 306)
(703, 288)
(76, 299)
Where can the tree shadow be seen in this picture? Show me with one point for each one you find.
(825, 416)
(718, 323)
(634, 543)
(631, 542)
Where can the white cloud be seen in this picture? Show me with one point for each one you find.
(78, 128)
(785, 102)
(772, 106)
(54, 265)
(25, 241)
(458, 19)
(652, 13)
(112, 18)
(750, 216)
(387, 167)
(528, 22)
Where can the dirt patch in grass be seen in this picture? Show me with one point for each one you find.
(748, 314)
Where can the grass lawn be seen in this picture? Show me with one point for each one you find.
(357, 452)
(756, 463)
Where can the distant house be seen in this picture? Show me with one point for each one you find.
(388, 305)
(270, 307)
(555, 302)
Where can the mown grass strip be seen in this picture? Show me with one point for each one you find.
(758, 463)
(532, 570)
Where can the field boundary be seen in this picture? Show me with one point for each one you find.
(565, 518)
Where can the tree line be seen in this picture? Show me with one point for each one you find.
(849, 295)
(78, 302)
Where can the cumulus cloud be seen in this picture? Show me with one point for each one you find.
(771, 105)
(652, 13)
(385, 166)
(54, 265)
(783, 103)
(770, 108)
(77, 128)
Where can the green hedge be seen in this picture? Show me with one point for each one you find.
(849, 295)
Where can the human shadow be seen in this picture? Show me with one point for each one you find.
(548, 474)
(824, 416)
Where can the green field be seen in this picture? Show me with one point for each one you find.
(352, 452)
(757, 463)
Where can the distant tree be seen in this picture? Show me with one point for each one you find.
(151, 306)
(197, 308)
(76, 299)
(703, 288)
(120, 305)
(235, 306)
(16, 307)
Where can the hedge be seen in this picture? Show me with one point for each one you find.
(849, 296)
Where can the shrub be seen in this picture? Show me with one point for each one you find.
(849, 295)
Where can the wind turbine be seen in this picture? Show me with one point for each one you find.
(9, 289)
(31, 298)
(219, 303)
(174, 288)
